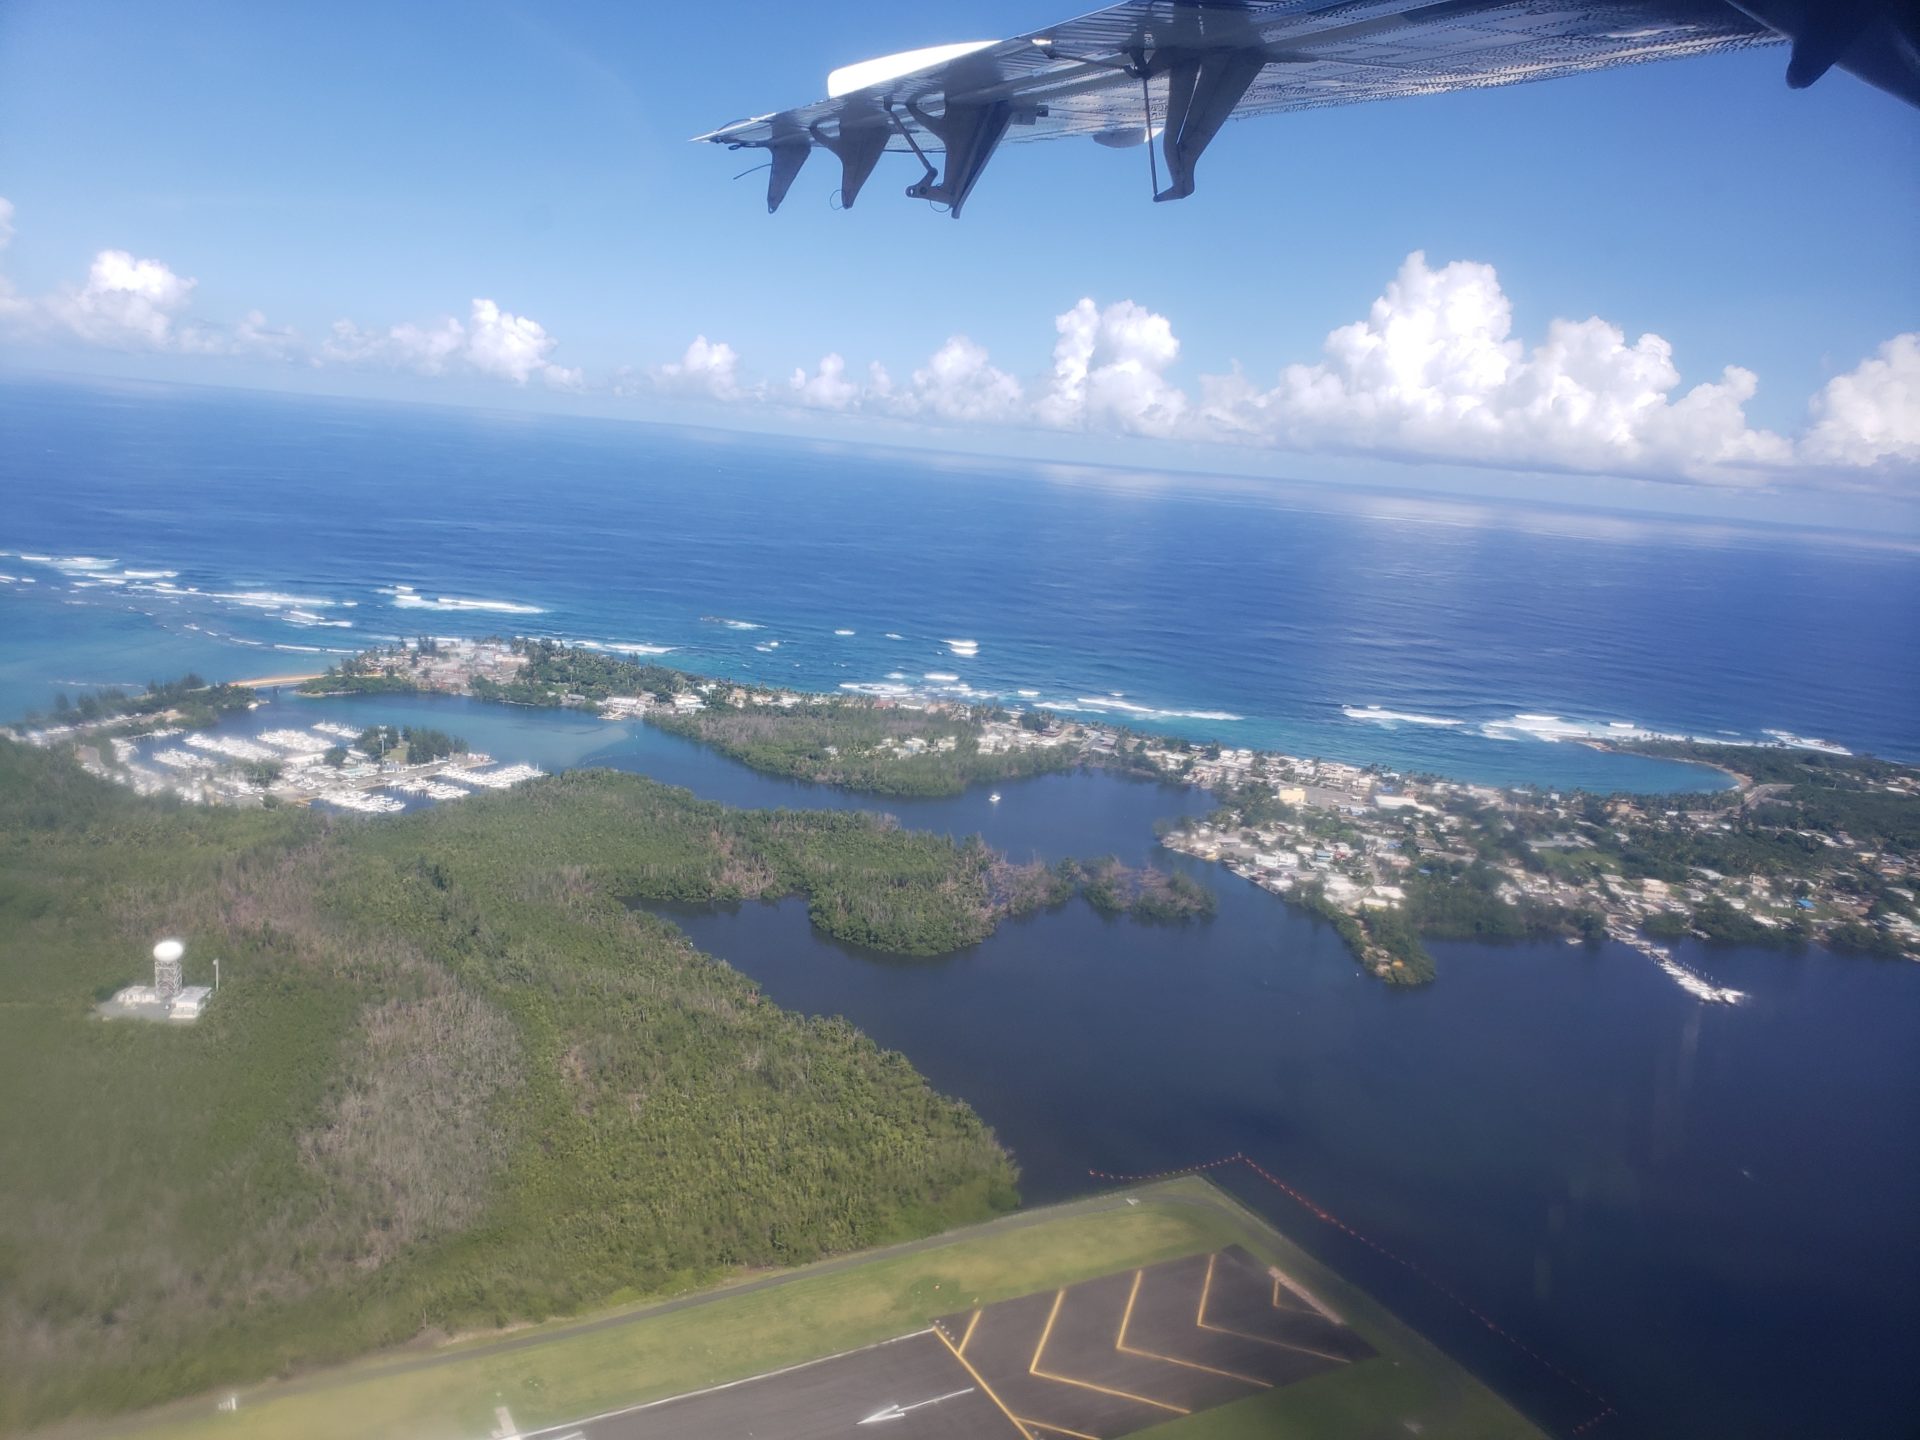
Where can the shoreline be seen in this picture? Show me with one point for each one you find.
(1389, 858)
(268, 681)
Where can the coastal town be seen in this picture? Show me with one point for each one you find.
(1801, 846)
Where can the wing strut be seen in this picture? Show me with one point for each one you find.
(968, 131)
(1138, 66)
(1202, 89)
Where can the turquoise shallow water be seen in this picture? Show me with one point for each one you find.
(152, 530)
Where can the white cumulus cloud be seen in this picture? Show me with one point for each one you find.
(1109, 372)
(827, 388)
(1872, 413)
(491, 341)
(960, 383)
(708, 370)
(123, 303)
(1433, 371)
(128, 303)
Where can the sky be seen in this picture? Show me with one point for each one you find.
(1676, 286)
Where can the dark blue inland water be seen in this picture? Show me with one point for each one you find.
(1704, 1213)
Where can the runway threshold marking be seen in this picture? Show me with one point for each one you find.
(981, 1381)
(1033, 1368)
(1200, 1319)
(1302, 1294)
(897, 1411)
(1120, 1344)
(1059, 1430)
(558, 1432)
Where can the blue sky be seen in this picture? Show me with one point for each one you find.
(387, 165)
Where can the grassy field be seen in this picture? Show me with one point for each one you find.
(452, 1080)
(568, 1371)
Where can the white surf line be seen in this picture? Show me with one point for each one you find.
(572, 1425)
(897, 1411)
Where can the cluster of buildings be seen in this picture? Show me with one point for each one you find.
(917, 745)
(1357, 835)
(289, 765)
(451, 666)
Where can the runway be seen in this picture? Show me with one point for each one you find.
(1095, 1361)
(904, 1389)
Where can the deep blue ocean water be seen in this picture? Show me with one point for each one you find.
(1705, 1213)
(240, 534)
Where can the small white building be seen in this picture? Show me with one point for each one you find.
(167, 998)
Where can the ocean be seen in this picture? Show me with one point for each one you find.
(150, 530)
(1698, 1215)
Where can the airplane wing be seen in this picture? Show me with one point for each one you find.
(1176, 70)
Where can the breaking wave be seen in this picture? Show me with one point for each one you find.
(1395, 717)
(405, 597)
(624, 647)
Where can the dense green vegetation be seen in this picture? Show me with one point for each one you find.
(1386, 932)
(1855, 796)
(879, 748)
(408, 744)
(368, 674)
(1459, 902)
(1151, 895)
(358, 684)
(554, 671)
(452, 1078)
(884, 751)
(190, 700)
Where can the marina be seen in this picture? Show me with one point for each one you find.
(290, 764)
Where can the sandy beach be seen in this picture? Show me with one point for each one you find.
(279, 679)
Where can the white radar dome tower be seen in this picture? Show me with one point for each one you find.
(166, 970)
